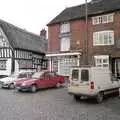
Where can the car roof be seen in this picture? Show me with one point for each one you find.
(24, 72)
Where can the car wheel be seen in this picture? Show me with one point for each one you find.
(58, 85)
(11, 86)
(99, 97)
(33, 88)
(76, 97)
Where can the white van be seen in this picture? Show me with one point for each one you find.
(92, 82)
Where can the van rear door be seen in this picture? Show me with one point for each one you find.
(81, 79)
(81, 76)
(84, 76)
(75, 77)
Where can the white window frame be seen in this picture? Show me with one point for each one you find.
(103, 19)
(103, 38)
(3, 64)
(101, 60)
(65, 44)
(65, 27)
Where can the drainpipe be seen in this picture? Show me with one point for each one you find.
(13, 62)
(50, 63)
(86, 37)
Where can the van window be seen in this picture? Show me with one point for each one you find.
(84, 75)
(75, 74)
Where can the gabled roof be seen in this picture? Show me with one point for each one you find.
(94, 7)
(22, 39)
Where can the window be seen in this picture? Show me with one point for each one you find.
(84, 75)
(103, 37)
(117, 68)
(65, 64)
(65, 44)
(22, 75)
(3, 42)
(102, 19)
(64, 28)
(102, 61)
(2, 64)
(75, 74)
(25, 64)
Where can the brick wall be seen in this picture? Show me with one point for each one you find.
(78, 36)
(53, 38)
(105, 50)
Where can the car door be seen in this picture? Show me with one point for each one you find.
(52, 80)
(43, 81)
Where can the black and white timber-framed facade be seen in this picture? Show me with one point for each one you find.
(20, 49)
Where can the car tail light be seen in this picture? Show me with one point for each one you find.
(91, 85)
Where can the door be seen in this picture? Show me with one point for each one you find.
(43, 80)
(80, 79)
(52, 79)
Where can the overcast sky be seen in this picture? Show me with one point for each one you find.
(33, 15)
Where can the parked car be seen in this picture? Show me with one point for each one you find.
(42, 79)
(8, 82)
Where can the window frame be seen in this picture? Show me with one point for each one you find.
(101, 19)
(5, 65)
(65, 27)
(64, 44)
(103, 38)
(99, 61)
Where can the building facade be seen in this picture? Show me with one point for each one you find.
(20, 49)
(92, 41)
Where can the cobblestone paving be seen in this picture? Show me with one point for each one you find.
(54, 104)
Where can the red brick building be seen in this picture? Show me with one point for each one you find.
(73, 41)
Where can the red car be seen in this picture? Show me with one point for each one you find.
(43, 79)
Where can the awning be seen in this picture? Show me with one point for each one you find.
(63, 54)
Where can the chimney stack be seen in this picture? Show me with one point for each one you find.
(43, 33)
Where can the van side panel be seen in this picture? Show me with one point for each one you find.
(101, 78)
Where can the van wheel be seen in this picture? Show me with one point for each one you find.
(99, 97)
(76, 97)
(33, 88)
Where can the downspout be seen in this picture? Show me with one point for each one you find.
(13, 62)
(86, 38)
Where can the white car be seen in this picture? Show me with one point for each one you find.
(8, 82)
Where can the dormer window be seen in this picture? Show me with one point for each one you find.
(65, 27)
